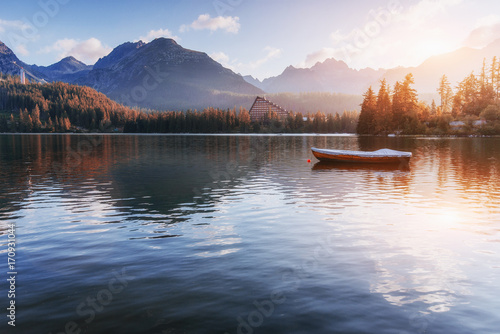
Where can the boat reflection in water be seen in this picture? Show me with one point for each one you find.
(349, 166)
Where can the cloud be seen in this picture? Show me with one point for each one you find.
(239, 67)
(488, 20)
(17, 34)
(153, 34)
(424, 10)
(320, 56)
(338, 37)
(21, 50)
(205, 22)
(220, 57)
(487, 30)
(88, 51)
(12, 25)
(399, 33)
(224, 60)
(271, 53)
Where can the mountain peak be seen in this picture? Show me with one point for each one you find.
(4, 49)
(67, 65)
(289, 68)
(70, 59)
(118, 53)
(331, 64)
(169, 75)
(164, 41)
(8, 60)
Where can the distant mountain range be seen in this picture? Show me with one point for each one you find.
(455, 65)
(164, 75)
(68, 69)
(329, 76)
(159, 75)
(335, 76)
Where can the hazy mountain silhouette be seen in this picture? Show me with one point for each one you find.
(336, 76)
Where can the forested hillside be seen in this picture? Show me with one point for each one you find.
(61, 107)
(56, 107)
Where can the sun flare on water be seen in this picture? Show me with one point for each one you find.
(447, 218)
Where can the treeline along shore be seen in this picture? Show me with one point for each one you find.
(473, 108)
(61, 107)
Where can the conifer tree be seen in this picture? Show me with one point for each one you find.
(433, 109)
(384, 109)
(244, 120)
(466, 100)
(446, 94)
(25, 121)
(366, 122)
(397, 107)
(35, 116)
(49, 126)
(493, 72)
(405, 106)
(12, 124)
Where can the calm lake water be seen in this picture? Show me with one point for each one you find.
(240, 234)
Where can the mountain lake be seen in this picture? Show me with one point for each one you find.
(240, 234)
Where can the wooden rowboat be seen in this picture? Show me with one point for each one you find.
(383, 156)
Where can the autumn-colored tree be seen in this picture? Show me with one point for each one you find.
(367, 121)
(486, 95)
(65, 124)
(25, 121)
(397, 106)
(405, 105)
(384, 109)
(495, 76)
(409, 94)
(446, 94)
(434, 110)
(337, 124)
(244, 120)
(35, 117)
(491, 113)
(319, 122)
(424, 111)
(465, 100)
(12, 124)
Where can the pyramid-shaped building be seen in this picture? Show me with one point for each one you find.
(262, 106)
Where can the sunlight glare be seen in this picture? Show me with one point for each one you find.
(447, 217)
(429, 48)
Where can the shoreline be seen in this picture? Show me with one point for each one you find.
(245, 135)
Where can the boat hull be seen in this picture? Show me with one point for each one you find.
(392, 157)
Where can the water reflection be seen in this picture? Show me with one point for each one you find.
(325, 165)
(232, 209)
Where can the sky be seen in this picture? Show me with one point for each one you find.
(253, 37)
